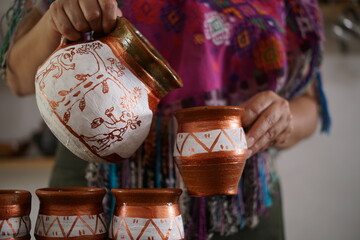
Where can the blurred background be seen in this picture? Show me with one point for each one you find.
(320, 176)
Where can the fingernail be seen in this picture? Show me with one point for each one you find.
(249, 153)
(250, 142)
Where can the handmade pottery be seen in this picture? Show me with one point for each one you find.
(71, 213)
(98, 97)
(15, 206)
(146, 214)
(210, 149)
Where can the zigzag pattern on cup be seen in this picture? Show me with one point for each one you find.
(15, 227)
(70, 226)
(143, 228)
(210, 141)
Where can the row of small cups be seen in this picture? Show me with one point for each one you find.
(77, 213)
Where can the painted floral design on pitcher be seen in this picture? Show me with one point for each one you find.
(98, 97)
(105, 124)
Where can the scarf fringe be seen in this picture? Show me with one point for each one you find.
(11, 19)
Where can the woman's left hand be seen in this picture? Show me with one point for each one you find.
(268, 119)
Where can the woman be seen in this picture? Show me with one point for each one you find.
(262, 56)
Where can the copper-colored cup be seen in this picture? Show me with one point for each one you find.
(15, 207)
(146, 214)
(210, 149)
(71, 213)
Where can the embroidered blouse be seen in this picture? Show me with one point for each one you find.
(225, 51)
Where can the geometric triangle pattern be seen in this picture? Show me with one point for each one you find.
(217, 140)
(70, 226)
(144, 228)
(15, 227)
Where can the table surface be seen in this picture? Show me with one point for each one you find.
(26, 162)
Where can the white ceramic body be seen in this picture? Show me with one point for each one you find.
(92, 102)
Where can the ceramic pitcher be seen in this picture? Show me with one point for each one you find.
(98, 97)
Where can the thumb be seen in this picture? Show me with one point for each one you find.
(248, 116)
(119, 12)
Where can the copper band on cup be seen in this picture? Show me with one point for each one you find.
(15, 206)
(149, 211)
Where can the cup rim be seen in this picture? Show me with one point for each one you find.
(135, 191)
(69, 191)
(147, 196)
(14, 196)
(209, 113)
(209, 108)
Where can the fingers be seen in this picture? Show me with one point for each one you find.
(92, 13)
(269, 119)
(255, 106)
(72, 17)
(265, 124)
(76, 17)
(109, 19)
(279, 132)
(283, 137)
(118, 12)
(62, 22)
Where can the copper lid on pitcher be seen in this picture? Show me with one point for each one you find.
(146, 56)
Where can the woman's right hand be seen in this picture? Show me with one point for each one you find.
(70, 18)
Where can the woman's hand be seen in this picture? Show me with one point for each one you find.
(70, 18)
(269, 121)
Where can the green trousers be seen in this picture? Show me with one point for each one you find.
(69, 170)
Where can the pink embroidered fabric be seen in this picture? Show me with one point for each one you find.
(244, 46)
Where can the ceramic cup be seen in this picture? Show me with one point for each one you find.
(71, 213)
(210, 149)
(15, 207)
(146, 214)
(98, 97)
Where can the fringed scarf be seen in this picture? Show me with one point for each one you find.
(225, 51)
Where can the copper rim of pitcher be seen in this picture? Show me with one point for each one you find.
(165, 77)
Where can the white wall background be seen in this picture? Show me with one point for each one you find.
(19, 117)
(321, 176)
